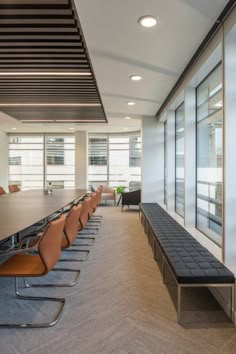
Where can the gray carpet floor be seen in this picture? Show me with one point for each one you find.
(120, 304)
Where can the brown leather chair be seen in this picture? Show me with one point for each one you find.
(70, 234)
(13, 188)
(82, 223)
(24, 264)
(2, 191)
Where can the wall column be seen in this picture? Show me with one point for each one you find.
(81, 160)
(4, 160)
(152, 160)
(170, 160)
(190, 157)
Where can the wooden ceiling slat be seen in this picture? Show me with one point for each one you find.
(41, 43)
(64, 50)
(33, 2)
(56, 11)
(38, 36)
(42, 56)
(35, 30)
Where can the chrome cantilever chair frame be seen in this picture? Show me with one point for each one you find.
(34, 298)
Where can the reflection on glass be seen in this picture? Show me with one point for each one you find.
(209, 156)
(179, 160)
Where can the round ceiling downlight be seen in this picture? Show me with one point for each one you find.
(135, 77)
(147, 21)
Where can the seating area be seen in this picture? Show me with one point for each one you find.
(190, 264)
(36, 254)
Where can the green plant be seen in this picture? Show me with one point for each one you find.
(120, 189)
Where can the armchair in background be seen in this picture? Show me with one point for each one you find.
(130, 198)
(108, 193)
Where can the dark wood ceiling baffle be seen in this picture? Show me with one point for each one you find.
(45, 70)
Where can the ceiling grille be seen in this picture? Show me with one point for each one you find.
(44, 62)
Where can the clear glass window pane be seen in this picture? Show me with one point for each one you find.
(179, 160)
(210, 156)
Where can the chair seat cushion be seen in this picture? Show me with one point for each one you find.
(23, 265)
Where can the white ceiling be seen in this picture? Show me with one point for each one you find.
(120, 47)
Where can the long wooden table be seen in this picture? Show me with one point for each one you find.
(21, 210)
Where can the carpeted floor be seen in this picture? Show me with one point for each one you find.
(120, 304)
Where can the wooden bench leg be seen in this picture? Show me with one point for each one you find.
(232, 303)
(178, 303)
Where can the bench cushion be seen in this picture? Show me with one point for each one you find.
(190, 262)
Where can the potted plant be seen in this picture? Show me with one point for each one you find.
(120, 189)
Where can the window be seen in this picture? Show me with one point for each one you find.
(115, 160)
(26, 155)
(165, 162)
(60, 157)
(209, 155)
(35, 160)
(125, 161)
(97, 160)
(179, 160)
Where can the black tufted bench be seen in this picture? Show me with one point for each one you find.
(191, 264)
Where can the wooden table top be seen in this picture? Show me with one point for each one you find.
(23, 209)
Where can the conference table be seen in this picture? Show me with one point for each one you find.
(20, 210)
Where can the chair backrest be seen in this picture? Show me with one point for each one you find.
(107, 189)
(84, 215)
(13, 188)
(2, 191)
(92, 204)
(97, 198)
(71, 224)
(49, 246)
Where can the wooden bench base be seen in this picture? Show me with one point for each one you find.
(160, 258)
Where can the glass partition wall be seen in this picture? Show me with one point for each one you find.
(210, 155)
(179, 160)
(36, 160)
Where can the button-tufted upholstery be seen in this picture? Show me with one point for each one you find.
(190, 262)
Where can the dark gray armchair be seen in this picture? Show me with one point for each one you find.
(131, 198)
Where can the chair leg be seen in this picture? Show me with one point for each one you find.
(97, 216)
(34, 298)
(72, 259)
(84, 238)
(59, 285)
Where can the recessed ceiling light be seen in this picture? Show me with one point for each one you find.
(71, 128)
(130, 103)
(125, 128)
(147, 21)
(13, 128)
(128, 118)
(135, 77)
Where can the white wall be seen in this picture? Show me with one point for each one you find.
(81, 162)
(4, 160)
(152, 160)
